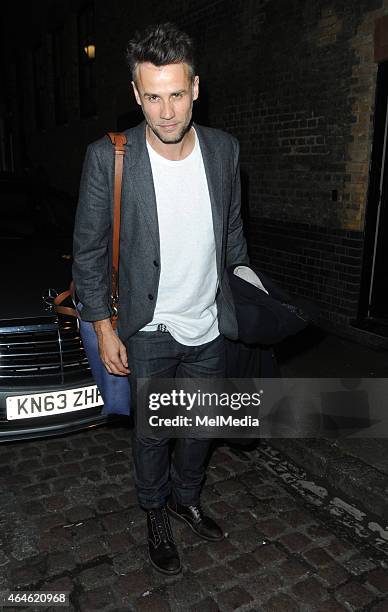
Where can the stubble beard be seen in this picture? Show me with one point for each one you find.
(172, 139)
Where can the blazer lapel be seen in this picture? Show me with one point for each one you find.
(138, 180)
(213, 168)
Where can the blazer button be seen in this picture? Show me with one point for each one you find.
(156, 263)
(150, 296)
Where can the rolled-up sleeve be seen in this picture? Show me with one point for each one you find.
(92, 231)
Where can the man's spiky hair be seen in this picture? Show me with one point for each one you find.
(160, 44)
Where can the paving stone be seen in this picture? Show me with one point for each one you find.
(272, 527)
(198, 558)
(279, 603)
(267, 491)
(87, 529)
(264, 585)
(221, 508)
(215, 578)
(92, 476)
(234, 598)
(296, 518)
(216, 473)
(74, 514)
(64, 583)
(317, 532)
(295, 542)
(293, 569)
(33, 507)
(317, 557)
(241, 520)
(227, 487)
(119, 542)
(205, 605)
(245, 564)
(58, 562)
(247, 540)
(241, 501)
(92, 577)
(186, 589)
(269, 553)
(340, 548)
(36, 490)
(61, 484)
(71, 470)
(91, 549)
(129, 498)
(379, 579)
(90, 463)
(223, 550)
(251, 479)
(71, 455)
(46, 473)
(134, 583)
(97, 450)
(334, 574)
(152, 603)
(262, 509)
(354, 595)
(382, 606)
(116, 521)
(117, 469)
(285, 504)
(53, 460)
(28, 466)
(309, 591)
(331, 605)
(50, 521)
(26, 575)
(359, 565)
(56, 502)
(101, 598)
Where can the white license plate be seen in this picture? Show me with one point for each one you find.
(56, 402)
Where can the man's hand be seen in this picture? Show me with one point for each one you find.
(112, 351)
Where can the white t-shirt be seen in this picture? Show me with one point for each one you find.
(188, 274)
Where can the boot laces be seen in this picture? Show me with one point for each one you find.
(196, 512)
(160, 520)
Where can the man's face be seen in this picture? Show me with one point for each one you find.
(166, 95)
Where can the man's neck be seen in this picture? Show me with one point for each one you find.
(173, 151)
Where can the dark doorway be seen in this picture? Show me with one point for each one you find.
(374, 293)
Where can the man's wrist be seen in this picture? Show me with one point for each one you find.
(102, 326)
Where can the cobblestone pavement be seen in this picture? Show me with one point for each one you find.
(69, 521)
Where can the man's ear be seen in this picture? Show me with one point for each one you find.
(195, 87)
(137, 96)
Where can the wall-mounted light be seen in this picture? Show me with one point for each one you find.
(90, 51)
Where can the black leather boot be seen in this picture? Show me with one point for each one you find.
(194, 517)
(161, 546)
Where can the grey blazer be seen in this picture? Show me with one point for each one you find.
(139, 268)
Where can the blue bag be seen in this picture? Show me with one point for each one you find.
(115, 390)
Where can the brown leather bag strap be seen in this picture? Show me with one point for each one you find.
(118, 140)
(66, 310)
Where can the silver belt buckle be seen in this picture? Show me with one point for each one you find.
(162, 327)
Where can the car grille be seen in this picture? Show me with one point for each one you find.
(45, 351)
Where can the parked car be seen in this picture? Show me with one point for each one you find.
(46, 386)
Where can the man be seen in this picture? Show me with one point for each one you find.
(180, 229)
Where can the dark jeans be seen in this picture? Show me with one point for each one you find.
(157, 354)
